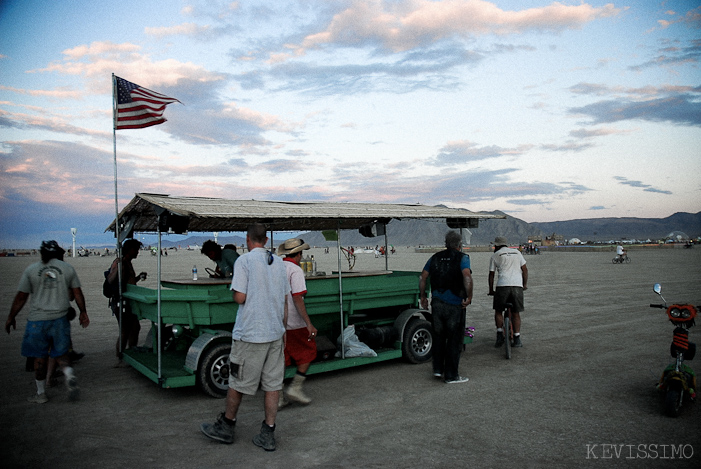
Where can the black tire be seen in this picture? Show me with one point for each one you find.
(213, 372)
(627, 260)
(615, 260)
(673, 402)
(507, 337)
(417, 346)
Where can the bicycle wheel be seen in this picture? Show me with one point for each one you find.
(615, 260)
(627, 260)
(507, 335)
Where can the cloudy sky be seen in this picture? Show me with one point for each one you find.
(544, 110)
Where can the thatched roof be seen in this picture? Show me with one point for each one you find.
(202, 214)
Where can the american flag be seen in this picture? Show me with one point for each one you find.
(139, 107)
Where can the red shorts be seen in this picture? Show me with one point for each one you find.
(299, 349)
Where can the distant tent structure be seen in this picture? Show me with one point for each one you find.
(677, 237)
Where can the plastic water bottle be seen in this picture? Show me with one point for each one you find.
(194, 272)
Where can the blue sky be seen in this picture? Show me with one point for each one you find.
(544, 110)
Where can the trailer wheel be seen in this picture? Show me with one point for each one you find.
(213, 372)
(417, 346)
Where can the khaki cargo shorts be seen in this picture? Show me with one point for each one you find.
(254, 364)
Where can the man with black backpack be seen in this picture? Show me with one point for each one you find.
(451, 293)
(130, 324)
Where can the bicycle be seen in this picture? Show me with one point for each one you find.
(508, 329)
(621, 259)
(350, 257)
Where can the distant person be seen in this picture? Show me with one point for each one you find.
(223, 258)
(127, 320)
(48, 331)
(300, 343)
(620, 253)
(512, 278)
(257, 356)
(451, 293)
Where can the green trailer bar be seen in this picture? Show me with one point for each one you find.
(193, 319)
(207, 312)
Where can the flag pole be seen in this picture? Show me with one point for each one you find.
(139, 108)
(120, 304)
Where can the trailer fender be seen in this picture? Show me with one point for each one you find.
(406, 316)
(194, 353)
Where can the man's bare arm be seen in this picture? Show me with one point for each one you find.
(17, 305)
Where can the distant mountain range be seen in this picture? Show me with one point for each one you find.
(432, 232)
(604, 229)
(195, 242)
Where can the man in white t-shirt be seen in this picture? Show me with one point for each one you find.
(300, 345)
(620, 253)
(512, 279)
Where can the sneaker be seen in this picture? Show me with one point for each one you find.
(219, 430)
(72, 387)
(459, 379)
(500, 340)
(266, 438)
(38, 398)
(517, 341)
(74, 356)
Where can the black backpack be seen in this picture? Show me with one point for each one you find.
(109, 290)
(445, 272)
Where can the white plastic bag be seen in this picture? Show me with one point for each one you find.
(353, 346)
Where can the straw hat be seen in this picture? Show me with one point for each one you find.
(500, 241)
(292, 246)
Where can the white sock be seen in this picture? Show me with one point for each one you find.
(499, 329)
(516, 334)
(41, 386)
(68, 372)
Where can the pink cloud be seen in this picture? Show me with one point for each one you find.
(400, 27)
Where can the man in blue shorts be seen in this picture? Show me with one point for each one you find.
(257, 356)
(48, 331)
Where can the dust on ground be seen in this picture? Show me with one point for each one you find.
(580, 393)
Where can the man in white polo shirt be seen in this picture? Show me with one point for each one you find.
(257, 357)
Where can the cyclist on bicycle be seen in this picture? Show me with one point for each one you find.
(620, 253)
(512, 279)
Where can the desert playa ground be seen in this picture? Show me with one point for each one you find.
(580, 393)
